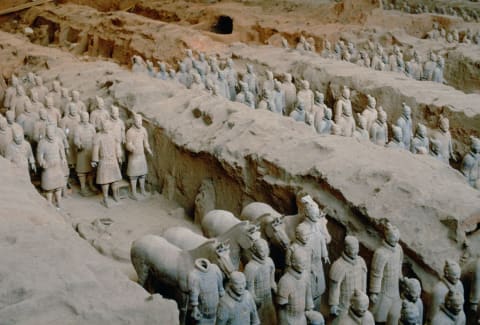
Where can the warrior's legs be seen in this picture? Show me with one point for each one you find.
(133, 187)
(91, 182)
(49, 196)
(141, 180)
(82, 178)
(105, 194)
(58, 197)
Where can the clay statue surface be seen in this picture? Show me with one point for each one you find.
(99, 114)
(444, 138)
(470, 166)
(299, 114)
(411, 292)
(421, 143)
(294, 295)
(451, 311)
(343, 103)
(290, 93)
(237, 306)
(306, 96)
(449, 282)
(231, 76)
(27, 120)
(325, 125)
(6, 135)
(19, 152)
(136, 145)
(404, 122)
(346, 122)
(397, 138)
(252, 81)
(10, 92)
(370, 113)
(68, 124)
(51, 158)
(385, 274)
(347, 275)
(83, 137)
(106, 156)
(205, 285)
(357, 313)
(260, 276)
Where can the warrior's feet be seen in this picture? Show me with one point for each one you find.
(106, 203)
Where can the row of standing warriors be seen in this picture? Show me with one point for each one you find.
(180, 259)
(65, 136)
(307, 106)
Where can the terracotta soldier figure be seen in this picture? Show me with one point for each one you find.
(53, 113)
(76, 99)
(40, 126)
(299, 114)
(64, 100)
(451, 311)
(411, 292)
(319, 107)
(435, 151)
(444, 137)
(251, 79)
(205, 285)
(244, 95)
(118, 128)
(267, 102)
(405, 123)
(290, 93)
(27, 120)
(325, 125)
(84, 135)
(162, 71)
(136, 145)
(197, 83)
(183, 76)
(106, 155)
(343, 103)
(318, 243)
(6, 135)
(420, 143)
(10, 116)
(41, 90)
(294, 296)
(37, 105)
(19, 152)
(357, 313)
(56, 94)
(279, 97)
(347, 274)
(269, 81)
(11, 91)
(370, 113)
(450, 281)
(409, 314)
(346, 122)
(99, 114)
(361, 131)
(222, 84)
(231, 76)
(306, 96)
(260, 275)
(301, 242)
(470, 167)
(69, 123)
(237, 306)
(19, 101)
(51, 158)
(397, 137)
(385, 274)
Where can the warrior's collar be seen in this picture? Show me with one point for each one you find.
(234, 295)
(258, 259)
(294, 273)
(450, 315)
(357, 319)
(349, 259)
(202, 265)
(387, 244)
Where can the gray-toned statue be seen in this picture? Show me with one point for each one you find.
(294, 295)
(325, 125)
(409, 314)
(106, 156)
(411, 291)
(450, 281)
(451, 311)
(237, 306)
(6, 135)
(136, 145)
(51, 158)
(444, 138)
(385, 274)
(397, 137)
(342, 104)
(19, 152)
(357, 313)
(290, 93)
(347, 275)
(421, 143)
(83, 142)
(370, 112)
(260, 275)
(405, 123)
(470, 167)
(205, 285)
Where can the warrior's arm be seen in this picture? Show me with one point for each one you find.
(145, 142)
(376, 272)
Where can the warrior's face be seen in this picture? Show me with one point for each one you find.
(138, 121)
(351, 249)
(302, 235)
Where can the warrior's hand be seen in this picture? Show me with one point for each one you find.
(374, 298)
(33, 168)
(94, 164)
(120, 161)
(473, 307)
(334, 310)
(196, 313)
(150, 152)
(326, 260)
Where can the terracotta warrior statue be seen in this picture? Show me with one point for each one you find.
(251, 79)
(64, 100)
(361, 132)
(318, 107)
(51, 158)
(318, 243)
(83, 137)
(19, 101)
(444, 137)
(294, 296)
(267, 102)
(279, 97)
(405, 123)
(420, 143)
(136, 145)
(357, 313)
(118, 128)
(99, 114)
(342, 103)
(411, 292)
(54, 115)
(10, 116)
(370, 113)
(451, 311)
(37, 105)
(449, 282)
(11, 91)
(205, 285)
(397, 137)
(301, 242)
(106, 155)
(385, 274)
(76, 99)
(40, 126)
(56, 94)
(306, 96)
(347, 275)
(231, 76)
(27, 120)
(269, 81)
(19, 152)
(299, 114)
(245, 96)
(6, 135)
(470, 167)
(409, 314)
(346, 122)
(326, 124)
(237, 306)
(69, 123)
(260, 275)
(290, 93)
(188, 60)
(162, 71)
(40, 88)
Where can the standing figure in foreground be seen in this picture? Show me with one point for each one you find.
(106, 156)
(51, 158)
(237, 306)
(444, 138)
(136, 144)
(347, 275)
(294, 296)
(260, 276)
(404, 122)
(342, 104)
(385, 274)
(19, 152)
(83, 142)
(470, 167)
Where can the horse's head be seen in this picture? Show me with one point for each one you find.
(224, 262)
(274, 230)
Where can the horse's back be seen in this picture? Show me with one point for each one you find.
(217, 222)
(183, 238)
(255, 210)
